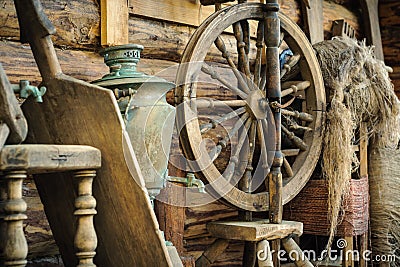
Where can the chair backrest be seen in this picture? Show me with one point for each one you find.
(11, 115)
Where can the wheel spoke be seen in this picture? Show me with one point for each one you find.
(215, 75)
(211, 125)
(245, 182)
(290, 152)
(220, 44)
(289, 65)
(287, 167)
(281, 38)
(260, 132)
(260, 48)
(298, 115)
(235, 158)
(293, 87)
(211, 103)
(294, 126)
(243, 61)
(295, 140)
(214, 153)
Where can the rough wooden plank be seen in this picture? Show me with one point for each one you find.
(124, 211)
(47, 158)
(313, 20)
(183, 11)
(190, 12)
(114, 22)
(255, 230)
(10, 112)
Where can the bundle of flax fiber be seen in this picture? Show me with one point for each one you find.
(359, 90)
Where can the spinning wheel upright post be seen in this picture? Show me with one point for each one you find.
(273, 87)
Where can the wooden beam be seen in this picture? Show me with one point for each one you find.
(372, 29)
(114, 22)
(313, 20)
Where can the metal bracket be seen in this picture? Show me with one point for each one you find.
(24, 89)
(190, 181)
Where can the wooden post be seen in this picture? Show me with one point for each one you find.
(272, 39)
(85, 204)
(15, 246)
(372, 30)
(348, 260)
(114, 22)
(3, 225)
(363, 173)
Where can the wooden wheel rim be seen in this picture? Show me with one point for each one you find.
(190, 137)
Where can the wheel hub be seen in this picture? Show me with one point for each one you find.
(257, 104)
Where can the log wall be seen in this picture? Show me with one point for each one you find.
(389, 14)
(164, 36)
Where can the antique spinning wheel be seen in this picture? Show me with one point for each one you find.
(226, 125)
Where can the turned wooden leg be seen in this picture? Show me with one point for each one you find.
(15, 246)
(85, 204)
(3, 226)
(264, 255)
(211, 254)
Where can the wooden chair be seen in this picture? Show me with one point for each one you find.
(81, 113)
(19, 160)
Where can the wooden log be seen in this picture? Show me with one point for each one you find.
(19, 64)
(77, 22)
(389, 15)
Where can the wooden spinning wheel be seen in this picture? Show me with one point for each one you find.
(228, 49)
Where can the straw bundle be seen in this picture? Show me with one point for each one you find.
(359, 90)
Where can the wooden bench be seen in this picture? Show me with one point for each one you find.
(19, 160)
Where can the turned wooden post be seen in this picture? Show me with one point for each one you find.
(85, 204)
(15, 246)
(3, 226)
(272, 39)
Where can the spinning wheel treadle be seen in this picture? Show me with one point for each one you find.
(242, 112)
